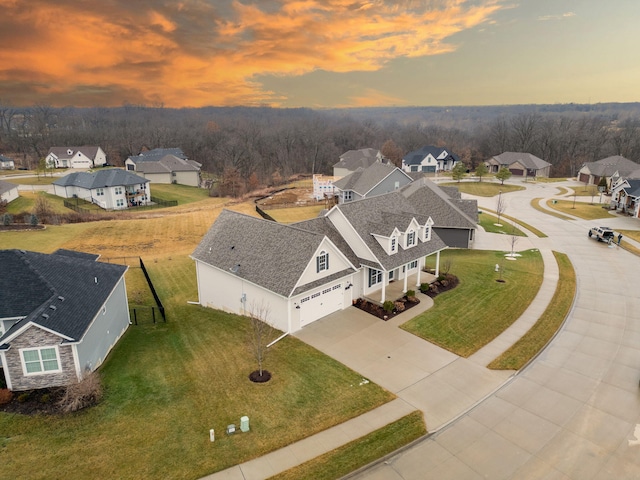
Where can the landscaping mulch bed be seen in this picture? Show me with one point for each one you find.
(19, 227)
(446, 283)
(377, 311)
(34, 402)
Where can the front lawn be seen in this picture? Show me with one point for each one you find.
(484, 188)
(490, 224)
(168, 384)
(468, 317)
(587, 211)
(182, 193)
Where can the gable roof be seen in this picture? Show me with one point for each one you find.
(6, 186)
(527, 160)
(362, 158)
(167, 164)
(606, 167)
(633, 190)
(156, 154)
(112, 177)
(267, 253)
(364, 179)
(416, 157)
(61, 292)
(63, 152)
(5, 159)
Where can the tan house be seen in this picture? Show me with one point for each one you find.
(165, 165)
(520, 164)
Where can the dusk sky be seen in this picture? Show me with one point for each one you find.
(318, 53)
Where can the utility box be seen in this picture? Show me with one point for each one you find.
(244, 424)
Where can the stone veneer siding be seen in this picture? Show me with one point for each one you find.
(36, 337)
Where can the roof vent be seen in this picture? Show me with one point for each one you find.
(95, 279)
(44, 315)
(52, 307)
(61, 298)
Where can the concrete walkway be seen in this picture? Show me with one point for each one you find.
(423, 376)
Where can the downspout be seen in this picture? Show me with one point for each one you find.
(279, 338)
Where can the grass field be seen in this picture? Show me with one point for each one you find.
(583, 210)
(547, 325)
(535, 203)
(488, 222)
(356, 454)
(531, 228)
(41, 180)
(182, 193)
(296, 214)
(483, 189)
(168, 384)
(468, 317)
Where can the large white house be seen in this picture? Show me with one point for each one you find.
(112, 189)
(429, 159)
(311, 269)
(76, 157)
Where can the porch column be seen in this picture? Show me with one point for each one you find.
(438, 263)
(385, 279)
(406, 275)
(420, 267)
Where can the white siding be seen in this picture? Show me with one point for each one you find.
(337, 263)
(191, 179)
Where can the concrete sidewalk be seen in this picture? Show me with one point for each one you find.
(423, 376)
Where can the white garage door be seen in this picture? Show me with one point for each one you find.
(320, 304)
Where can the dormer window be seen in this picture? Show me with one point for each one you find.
(394, 245)
(411, 238)
(322, 262)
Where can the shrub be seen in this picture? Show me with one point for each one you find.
(387, 306)
(424, 287)
(33, 220)
(45, 398)
(23, 397)
(399, 306)
(7, 219)
(82, 394)
(412, 293)
(5, 396)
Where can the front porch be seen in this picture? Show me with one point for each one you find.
(396, 288)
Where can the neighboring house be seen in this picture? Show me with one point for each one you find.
(592, 172)
(60, 315)
(323, 186)
(354, 159)
(165, 165)
(76, 157)
(6, 163)
(305, 271)
(8, 191)
(625, 196)
(112, 189)
(519, 164)
(429, 159)
(376, 179)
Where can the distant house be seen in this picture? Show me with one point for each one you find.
(323, 186)
(76, 157)
(60, 315)
(165, 165)
(376, 179)
(625, 196)
(8, 191)
(112, 189)
(519, 164)
(354, 159)
(592, 172)
(429, 159)
(6, 163)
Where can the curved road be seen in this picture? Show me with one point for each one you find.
(574, 412)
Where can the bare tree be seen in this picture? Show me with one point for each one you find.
(501, 206)
(261, 334)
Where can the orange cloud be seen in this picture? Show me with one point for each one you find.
(197, 53)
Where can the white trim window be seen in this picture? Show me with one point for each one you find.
(411, 238)
(394, 245)
(375, 277)
(40, 360)
(347, 195)
(99, 192)
(118, 190)
(322, 262)
(120, 202)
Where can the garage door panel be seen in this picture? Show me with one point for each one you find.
(320, 303)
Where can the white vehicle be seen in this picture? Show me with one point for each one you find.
(602, 234)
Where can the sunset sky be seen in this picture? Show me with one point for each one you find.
(318, 53)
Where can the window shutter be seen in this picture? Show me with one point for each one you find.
(317, 264)
(327, 261)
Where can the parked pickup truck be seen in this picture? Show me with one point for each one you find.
(602, 234)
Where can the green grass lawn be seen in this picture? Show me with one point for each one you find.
(167, 384)
(182, 193)
(535, 203)
(547, 325)
(360, 452)
(484, 188)
(488, 222)
(468, 317)
(586, 191)
(583, 210)
(41, 180)
(26, 201)
(531, 228)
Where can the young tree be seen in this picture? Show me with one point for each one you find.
(459, 171)
(500, 207)
(481, 170)
(503, 174)
(261, 334)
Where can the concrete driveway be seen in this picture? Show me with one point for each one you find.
(574, 413)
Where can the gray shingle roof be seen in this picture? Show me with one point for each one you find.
(633, 190)
(527, 160)
(270, 254)
(33, 282)
(156, 154)
(364, 179)
(610, 165)
(167, 164)
(362, 158)
(6, 186)
(416, 157)
(62, 152)
(112, 177)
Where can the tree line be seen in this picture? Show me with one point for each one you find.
(258, 143)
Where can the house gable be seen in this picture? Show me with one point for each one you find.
(325, 262)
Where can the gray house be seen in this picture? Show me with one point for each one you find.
(60, 315)
(610, 168)
(520, 164)
(374, 180)
(165, 165)
(354, 159)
